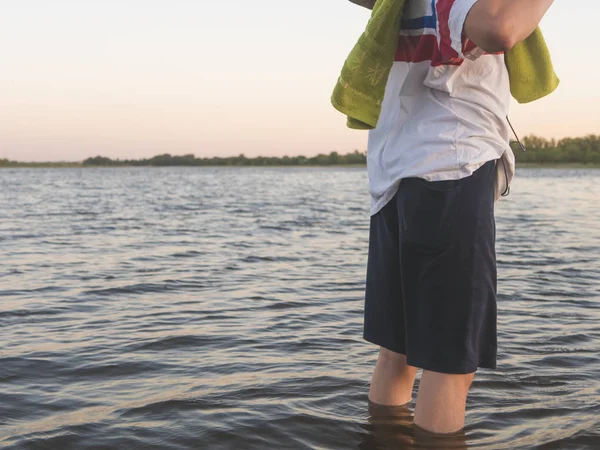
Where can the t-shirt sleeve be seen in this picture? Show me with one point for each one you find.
(457, 14)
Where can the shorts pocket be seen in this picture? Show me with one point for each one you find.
(429, 213)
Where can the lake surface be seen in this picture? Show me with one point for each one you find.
(215, 308)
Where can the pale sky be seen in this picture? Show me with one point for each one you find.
(134, 78)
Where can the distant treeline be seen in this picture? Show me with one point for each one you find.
(332, 159)
(584, 150)
(7, 163)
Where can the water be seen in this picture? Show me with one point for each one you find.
(222, 308)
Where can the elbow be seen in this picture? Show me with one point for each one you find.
(501, 39)
(501, 35)
(492, 33)
(495, 26)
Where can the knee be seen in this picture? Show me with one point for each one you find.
(465, 381)
(394, 362)
(460, 382)
(389, 357)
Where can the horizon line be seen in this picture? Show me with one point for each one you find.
(556, 141)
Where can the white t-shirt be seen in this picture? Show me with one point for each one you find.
(445, 105)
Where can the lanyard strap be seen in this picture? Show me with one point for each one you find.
(515, 133)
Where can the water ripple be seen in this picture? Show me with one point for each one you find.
(221, 308)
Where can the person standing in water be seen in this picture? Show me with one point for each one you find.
(437, 161)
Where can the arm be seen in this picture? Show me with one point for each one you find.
(498, 25)
(366, 3)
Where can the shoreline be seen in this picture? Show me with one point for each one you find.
(524, 165)
(529, 165)
(224, 166)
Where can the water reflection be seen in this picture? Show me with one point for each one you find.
(222, 308)
(393, 427)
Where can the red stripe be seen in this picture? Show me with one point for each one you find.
(443, 8)
(468, 46)
(416, 49)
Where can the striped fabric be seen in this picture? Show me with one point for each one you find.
(444, 111)
(427, 36)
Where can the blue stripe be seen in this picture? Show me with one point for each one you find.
(434, 13)
(419, 23)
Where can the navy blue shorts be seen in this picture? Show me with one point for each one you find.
(431, 274)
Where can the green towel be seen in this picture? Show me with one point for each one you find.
(361, 86)
(530, 69)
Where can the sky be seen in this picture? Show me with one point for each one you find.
(135, 78)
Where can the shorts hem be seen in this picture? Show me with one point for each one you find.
(400, 350)
(455, 370)
(431, 366)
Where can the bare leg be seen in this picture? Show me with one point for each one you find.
(441, 402)
(393, 379)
